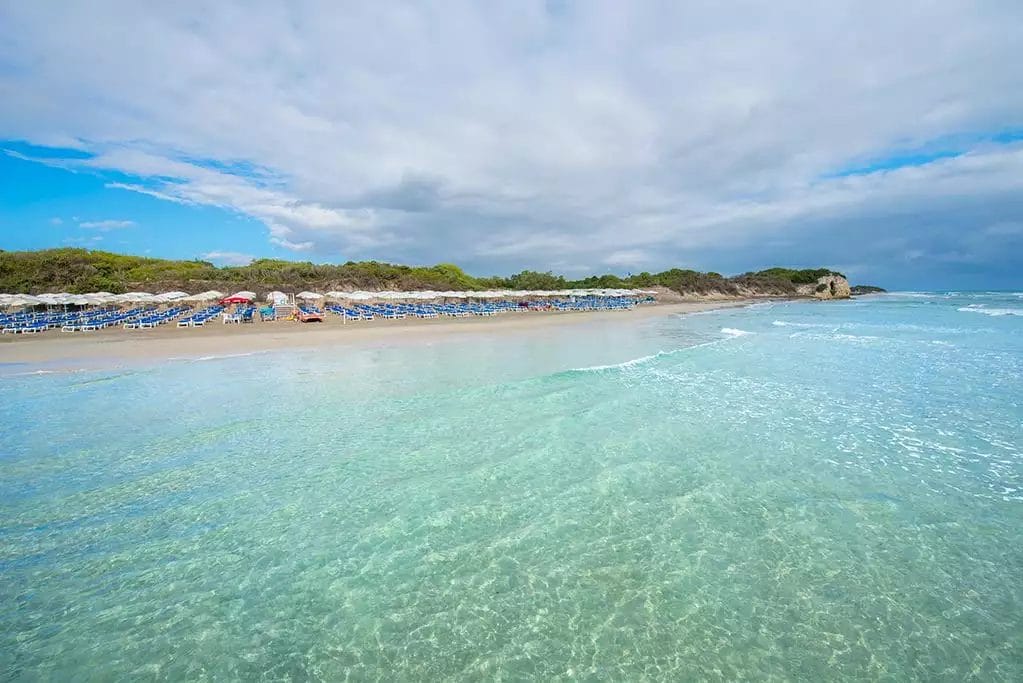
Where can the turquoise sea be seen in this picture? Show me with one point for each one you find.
(791, 491)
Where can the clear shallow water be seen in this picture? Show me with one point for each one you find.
(792, 491)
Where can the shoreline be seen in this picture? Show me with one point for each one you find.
(106, 347)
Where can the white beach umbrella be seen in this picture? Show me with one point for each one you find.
(172, 297)
(23, 300)
(139, 297)
(245, 294)
(308, 295)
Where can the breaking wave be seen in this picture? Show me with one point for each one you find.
(993, 312)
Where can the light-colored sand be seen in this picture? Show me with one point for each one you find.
(216, 338)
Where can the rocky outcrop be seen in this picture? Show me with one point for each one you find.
(832, 286)
(827, 287)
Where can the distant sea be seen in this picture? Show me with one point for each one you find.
(799, 491)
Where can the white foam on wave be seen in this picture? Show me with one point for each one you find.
(643, 359)
(709, 311)
(196, 359)
(837, 336)
(624, 364)
(856, 337)
(31, 373)
(733, 332)
(993, 312)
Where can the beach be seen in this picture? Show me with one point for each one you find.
(787, 490)
(104, 347)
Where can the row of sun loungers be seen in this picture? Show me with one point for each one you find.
(243, 314)
(155, 319)
(96, 319)
(150, 317)
(463, 310)
(202, 317)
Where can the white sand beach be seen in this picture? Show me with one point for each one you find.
(112, 345)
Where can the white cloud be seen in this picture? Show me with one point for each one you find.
(83, 241)
(626, 135)
(108, 224)
(627, 258)
(228, 258)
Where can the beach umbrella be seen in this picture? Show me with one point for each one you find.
(308, 295)
(202, 296)
(244, 294)
(236, 299)
(23, 300)
(173, 296)
(138, 297)
(349, 296)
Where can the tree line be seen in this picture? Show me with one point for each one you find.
(82, 270)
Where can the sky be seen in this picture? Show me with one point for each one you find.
(881, 139)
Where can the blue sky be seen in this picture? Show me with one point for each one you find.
(46, 206)
(884, 141)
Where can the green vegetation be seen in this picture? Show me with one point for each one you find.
(82, 270)
(800, 277)
(867, 289)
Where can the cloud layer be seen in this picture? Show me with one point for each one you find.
(574, 136)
